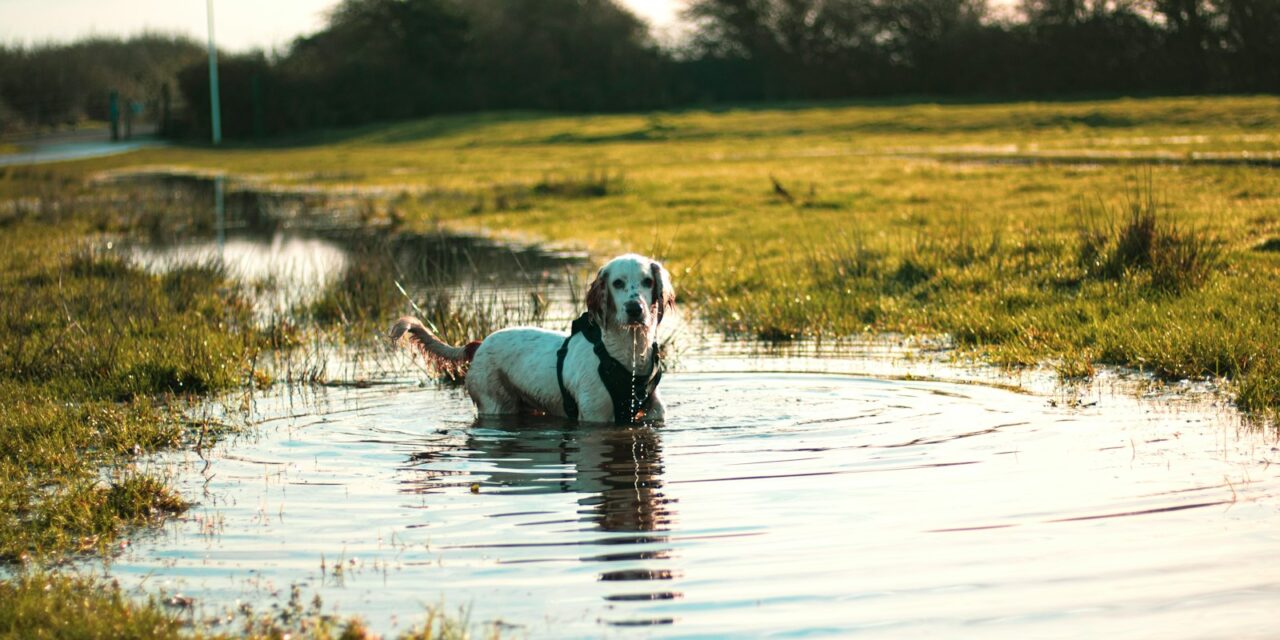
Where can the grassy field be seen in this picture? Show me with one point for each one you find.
(97, 361)
(1143, 233)
(1000, 225)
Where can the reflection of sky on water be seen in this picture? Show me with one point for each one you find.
(285, 268)
(783, 497)
(771, 503)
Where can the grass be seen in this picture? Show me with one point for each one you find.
(42, 606)
(830, 220)
(1143, 240)
(778, 222)
(97, 360)
(46, 606)
(88, 347)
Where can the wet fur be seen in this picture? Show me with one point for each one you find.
(514, 370)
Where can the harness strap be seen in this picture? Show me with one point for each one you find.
(570, 405)
(630, 393)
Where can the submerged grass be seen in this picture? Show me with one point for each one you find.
(376, 288)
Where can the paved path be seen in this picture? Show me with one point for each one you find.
(77, 146)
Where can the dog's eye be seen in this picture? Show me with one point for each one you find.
(618, 284)
(647, 282)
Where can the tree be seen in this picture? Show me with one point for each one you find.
(561, 54)
(379, 59)
(1251, 38)
(55, 84)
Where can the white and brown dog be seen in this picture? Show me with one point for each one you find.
(605, 370)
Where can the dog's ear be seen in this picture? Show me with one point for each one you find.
(664, 295)
(598, 298)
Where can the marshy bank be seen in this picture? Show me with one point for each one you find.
(1020, 265)
(784, 494)
(799, 222)
(115, 326)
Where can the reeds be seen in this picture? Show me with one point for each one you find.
(1144, 241)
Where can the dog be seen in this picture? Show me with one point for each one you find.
(605, 370)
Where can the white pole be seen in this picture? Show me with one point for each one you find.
(214, 108)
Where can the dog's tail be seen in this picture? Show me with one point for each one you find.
(429, 344)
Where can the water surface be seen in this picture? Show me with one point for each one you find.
(791, 493)
(791, 504)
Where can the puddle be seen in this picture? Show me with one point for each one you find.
(796, 504)
(287, 247)
(287, 268)
(783, 497)
(1001, 155)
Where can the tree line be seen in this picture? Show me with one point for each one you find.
(391, 59)
(52, 85)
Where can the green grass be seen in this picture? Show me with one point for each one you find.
(90, 349)
(43, 606)
(49, 606)
(780, 222)
(837, 219)
(88, 346)
(97, 360)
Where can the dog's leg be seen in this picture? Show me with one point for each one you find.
(595, 407)
(495, 404)
(656, 412)
(488, 389)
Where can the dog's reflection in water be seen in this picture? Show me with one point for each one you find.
(615, 474)
(615, 470)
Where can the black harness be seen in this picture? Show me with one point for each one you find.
(630, 393)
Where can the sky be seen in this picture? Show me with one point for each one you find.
(239, 25)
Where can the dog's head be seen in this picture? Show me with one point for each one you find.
(631, 291)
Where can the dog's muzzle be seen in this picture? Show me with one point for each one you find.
(635, 313)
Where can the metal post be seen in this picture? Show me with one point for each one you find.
(113, 111)
(214, 107)
(220, 217)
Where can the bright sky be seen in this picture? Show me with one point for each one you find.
(238, 24)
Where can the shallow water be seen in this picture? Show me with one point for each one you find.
(784, 496)
(770, 503)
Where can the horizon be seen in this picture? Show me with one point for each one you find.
(239, 25)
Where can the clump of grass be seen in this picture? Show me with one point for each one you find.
(849, 257)
(503, 197)
(1270, 245)
(51, 606)
(1146, 241)
(43, 605)
(1257, 389)
(593, 183)
(366, 292)
(1076, 365)
(809, 200)
(911, 271)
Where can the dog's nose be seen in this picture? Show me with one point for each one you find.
(633, 309)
